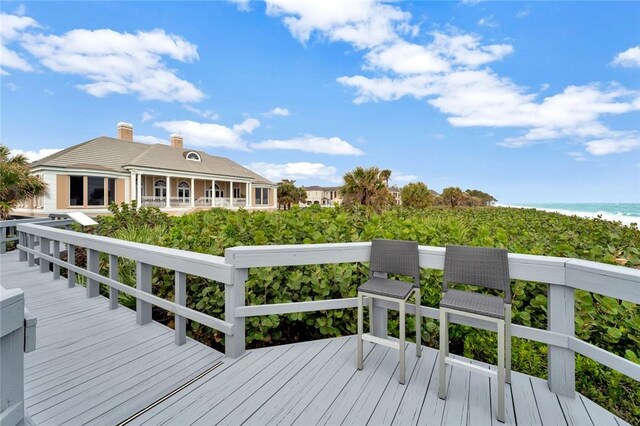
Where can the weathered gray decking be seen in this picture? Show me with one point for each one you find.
(93, 365)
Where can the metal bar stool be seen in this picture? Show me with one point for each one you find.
(391, 257)
(482, 267)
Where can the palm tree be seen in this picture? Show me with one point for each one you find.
(16, 184)
(289, 194)
(366, 187)
(416, 195)
(452, 196)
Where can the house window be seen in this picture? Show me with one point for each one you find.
(236, 193)
(262, 196)
(219, 192)
(95, 191)
(111, 190)
(76, 190)
(193, 156)
(184, 192)
(160, 188)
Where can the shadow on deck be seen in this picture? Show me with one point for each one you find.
(96, 366)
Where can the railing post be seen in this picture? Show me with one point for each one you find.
(379, 327)
(114, 275)
(143, 283)
(45, 248)
(561, 317)
(71, 259)
(22, 240)
(4, 232)
(56, 254)
(234, 296)
(12, 357)
(31, 243)
(93, 265)
(180, 322)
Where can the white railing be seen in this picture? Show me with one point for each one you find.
(562, 275)
(17, 336)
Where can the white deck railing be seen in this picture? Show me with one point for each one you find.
(562, 275)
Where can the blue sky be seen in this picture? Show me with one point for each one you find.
(531, 102)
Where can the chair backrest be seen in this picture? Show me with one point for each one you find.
(479, 266)
(396, 257)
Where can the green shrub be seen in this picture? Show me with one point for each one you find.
(608, 323)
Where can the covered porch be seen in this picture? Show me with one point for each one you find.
(184, 192)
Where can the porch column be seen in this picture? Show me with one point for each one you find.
(231, 194)
(248, 195)
(213, 192)
(139, 190)
(132, 187)
(192, 191)
(168, 200)
(275, 197)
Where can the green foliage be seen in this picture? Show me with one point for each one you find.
(608, 323)
(366, 189)
(16, 184)
(289, 194)
(485, 199)
(452, 196)
(416, 196)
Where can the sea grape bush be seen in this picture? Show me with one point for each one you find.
(608, 323)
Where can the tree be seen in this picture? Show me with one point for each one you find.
(366, 187)
(452, 196)
(416, 195)
(289, 194)
(16, 184)
(485, 199)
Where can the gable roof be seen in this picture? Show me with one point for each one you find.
(110, 154)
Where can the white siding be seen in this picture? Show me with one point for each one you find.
(50, 200)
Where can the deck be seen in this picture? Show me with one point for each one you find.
(93, 365)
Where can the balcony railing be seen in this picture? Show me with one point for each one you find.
(561, 275)
(176, 202)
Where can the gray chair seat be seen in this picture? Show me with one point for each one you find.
(389, 288)
(482, 304)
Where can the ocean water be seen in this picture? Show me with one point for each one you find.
(627, 213)
(619, 209)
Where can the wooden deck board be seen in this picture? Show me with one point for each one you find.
(93, 365)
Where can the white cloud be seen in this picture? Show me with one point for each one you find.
(630, 58)
(150, 139)
(309, 143)
(404, 178)
(48, 92)
(21, 10)
(471, 2)
(148, 115)
(117, 62)
(12, 27)
(578, 156)
(523, 13)
(204, 113)
(488, 21)
(211, 134)
(12, 87)
(277, 111)
(35, 155)
(302, 170)
(628, 141)
(364, 23)
(242, 5)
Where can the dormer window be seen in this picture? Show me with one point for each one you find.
(193, 156)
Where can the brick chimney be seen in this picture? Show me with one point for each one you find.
(176, 140)
(125, 131)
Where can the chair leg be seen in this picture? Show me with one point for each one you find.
(507, 317)
(370, 315)
(501, 371)
(444, 350)
(360, 330)
(402, 340)
(418, 324)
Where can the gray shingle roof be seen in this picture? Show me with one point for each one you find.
(112, 154)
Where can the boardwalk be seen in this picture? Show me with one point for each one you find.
(98, 367)
(92, 364)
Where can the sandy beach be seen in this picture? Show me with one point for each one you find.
(625, 220)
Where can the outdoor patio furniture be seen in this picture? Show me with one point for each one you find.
(481, 267)
(391, 257)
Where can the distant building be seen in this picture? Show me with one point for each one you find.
(395, 192)
(323, 195)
